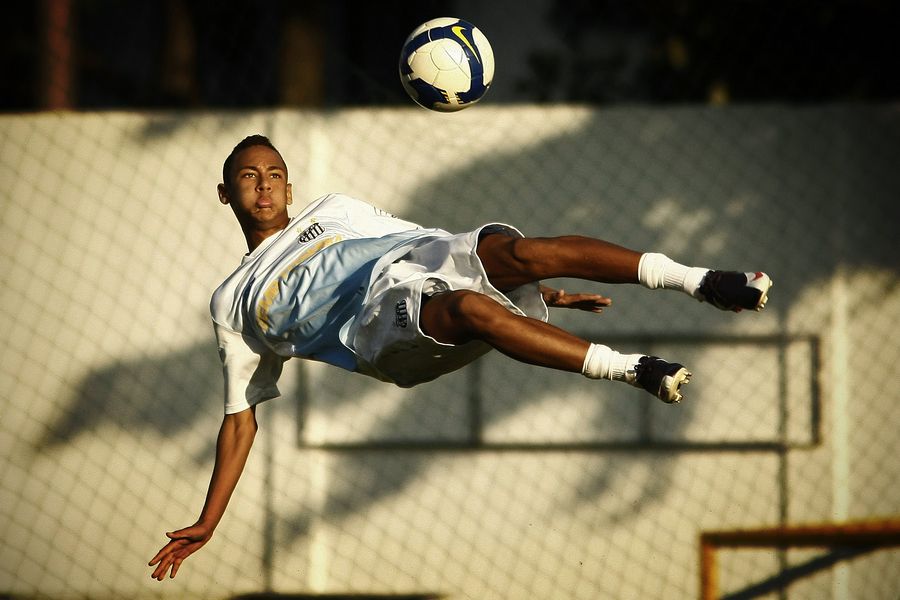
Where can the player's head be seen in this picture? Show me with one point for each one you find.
(248, 142)
(255, 185)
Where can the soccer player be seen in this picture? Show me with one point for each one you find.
(348, 284)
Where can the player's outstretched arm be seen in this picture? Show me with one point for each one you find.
(560, 299)
(232, 449)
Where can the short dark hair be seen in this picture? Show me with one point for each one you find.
(248, 142)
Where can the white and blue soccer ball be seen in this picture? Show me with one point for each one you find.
(446, 64)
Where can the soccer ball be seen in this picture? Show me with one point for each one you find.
(446, 64)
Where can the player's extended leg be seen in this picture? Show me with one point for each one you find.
(462, 316)
(511, 262)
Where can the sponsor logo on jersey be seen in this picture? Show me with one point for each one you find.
(402, 319)
(311, 233)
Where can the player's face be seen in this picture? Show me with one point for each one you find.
(258, 190)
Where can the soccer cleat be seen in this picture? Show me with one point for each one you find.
(735, 291)
(660, 378)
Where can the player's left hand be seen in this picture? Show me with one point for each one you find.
(589, 302)
(182, 543)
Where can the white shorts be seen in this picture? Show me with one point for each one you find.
(387, 336)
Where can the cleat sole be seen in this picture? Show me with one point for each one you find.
(765, 296)
(670, 390)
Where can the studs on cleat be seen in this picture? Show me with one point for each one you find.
(660, 378)
(671, 386)
(765, 296)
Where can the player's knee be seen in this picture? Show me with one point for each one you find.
(508, 259)
(474, 313)
(520, 254)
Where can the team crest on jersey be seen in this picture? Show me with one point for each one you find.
(402, 319)
(311, 233)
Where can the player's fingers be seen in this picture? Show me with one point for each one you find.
(160, 572)
(588, 299)
(163, 552)
(175, 566)
(166, 551)
(601, 300)
(157, 558)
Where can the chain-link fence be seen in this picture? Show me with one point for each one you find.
(500, 481)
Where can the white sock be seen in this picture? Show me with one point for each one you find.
(602, 362)
(659, 271)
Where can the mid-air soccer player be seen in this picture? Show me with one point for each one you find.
(351, 285)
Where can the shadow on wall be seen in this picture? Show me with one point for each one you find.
(638, 178)
(776, 200)
(362, 477)
(163, 394)
(169, 395)
(791, 190)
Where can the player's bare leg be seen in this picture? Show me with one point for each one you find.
(462, 316)
(511, 262)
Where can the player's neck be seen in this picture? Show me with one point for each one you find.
(255, 237)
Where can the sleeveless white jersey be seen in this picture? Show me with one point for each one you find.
(297, 293)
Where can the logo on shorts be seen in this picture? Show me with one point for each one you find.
(402, 319)
(311, 233)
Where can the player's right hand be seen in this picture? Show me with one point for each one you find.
(182, 543)
(560, 299)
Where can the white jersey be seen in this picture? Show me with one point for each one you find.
(298, 292)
